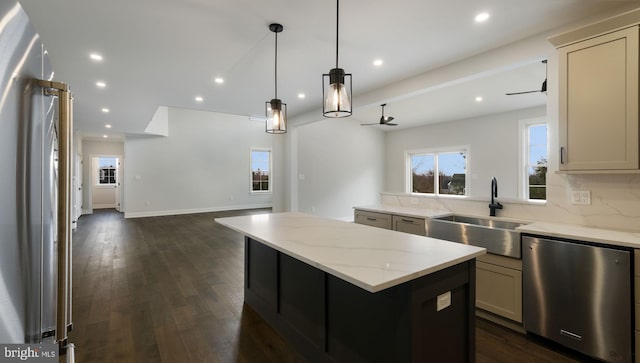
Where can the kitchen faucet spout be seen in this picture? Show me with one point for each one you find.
(494, 194)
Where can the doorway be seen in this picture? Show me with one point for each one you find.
(106, 182)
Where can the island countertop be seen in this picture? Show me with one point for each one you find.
(368, 257)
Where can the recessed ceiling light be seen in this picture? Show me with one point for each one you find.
(219, 80)
(105, 110)
(199, 99)
(301, 95)
(107, 126)
(105, 136)
(482, 17)
(479, 99)
(95, 57)
(378, 62)
(101, 84)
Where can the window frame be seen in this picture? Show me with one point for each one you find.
(115, 172)
(270, 181)
(523, 157)
(466, 149)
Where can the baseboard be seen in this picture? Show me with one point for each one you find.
(193, 211)
(104, 206)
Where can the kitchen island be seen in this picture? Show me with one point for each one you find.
(343, 292)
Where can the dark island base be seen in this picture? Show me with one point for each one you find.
(330, 320)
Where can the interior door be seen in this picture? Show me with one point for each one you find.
(118, 193)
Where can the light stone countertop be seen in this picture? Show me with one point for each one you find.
(582, 233)
(369, 257)
(550, 229)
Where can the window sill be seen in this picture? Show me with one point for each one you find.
(106, 186)
(469, 198)
(260, 193)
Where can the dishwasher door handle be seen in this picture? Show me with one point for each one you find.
(571, 335)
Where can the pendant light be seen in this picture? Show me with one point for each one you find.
(336, 86)
(275, 110)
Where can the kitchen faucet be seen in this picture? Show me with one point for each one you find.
(494, 194)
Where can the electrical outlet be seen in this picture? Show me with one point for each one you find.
(581, 197)
(443, 301)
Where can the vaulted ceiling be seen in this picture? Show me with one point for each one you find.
(167, 52)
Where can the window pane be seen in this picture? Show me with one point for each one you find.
(422, 173)
(107, 170)
(538, 192)
(260, 161)
(538, 135)
(451, 173)
(538, 182)
(538, 155)
(537, 159)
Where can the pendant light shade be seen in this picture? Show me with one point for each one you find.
(336, 85)
(275, 110)
(276, 113)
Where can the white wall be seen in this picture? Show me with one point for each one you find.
(493, 150)
(342, 164)
(91, 148)
(203, 165)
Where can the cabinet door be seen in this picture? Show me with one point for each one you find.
(373, 219)
(598, 85)
(409, 225)
(499, 290)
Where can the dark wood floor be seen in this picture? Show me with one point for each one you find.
(170, 289)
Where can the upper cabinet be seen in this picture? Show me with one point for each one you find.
(598, 96)
(598, 83)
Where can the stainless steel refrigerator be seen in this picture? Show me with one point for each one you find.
(35, 174)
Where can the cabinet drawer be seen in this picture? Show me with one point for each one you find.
(507, 262)
(409, 225)
(373, 219)
(499, 290)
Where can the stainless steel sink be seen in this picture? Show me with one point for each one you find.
(497, 236)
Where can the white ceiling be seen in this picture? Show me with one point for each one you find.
(167, 52)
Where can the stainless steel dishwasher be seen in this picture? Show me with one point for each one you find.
(579, 295)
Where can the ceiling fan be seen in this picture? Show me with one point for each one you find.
(384, 120)
(543, 88)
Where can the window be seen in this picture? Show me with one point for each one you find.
(533, 159)
(449, 165)
(260, 170)
(107, 169)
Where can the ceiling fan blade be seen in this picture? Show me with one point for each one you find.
(390, 124)
(370, 124)
(520, 93)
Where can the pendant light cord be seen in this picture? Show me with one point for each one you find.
(276, 66)
(337, 28)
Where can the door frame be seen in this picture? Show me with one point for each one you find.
(119, 180)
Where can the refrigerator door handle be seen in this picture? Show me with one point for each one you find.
(65, 137)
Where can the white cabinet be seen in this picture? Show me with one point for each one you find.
(373, 219)
(409, 225)
(598, 83)
(392, 221)
(499, 286)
